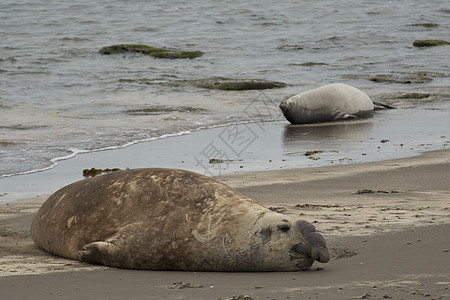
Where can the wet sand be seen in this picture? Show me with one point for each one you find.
(387, 225)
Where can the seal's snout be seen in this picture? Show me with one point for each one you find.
(320, 254)
(284, 106)
(316, 242)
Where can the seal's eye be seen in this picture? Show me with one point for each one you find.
(284, 227)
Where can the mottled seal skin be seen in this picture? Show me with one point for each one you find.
(167, 219)
(331, 102)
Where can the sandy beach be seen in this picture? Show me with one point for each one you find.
(387, 224)
(377, 188)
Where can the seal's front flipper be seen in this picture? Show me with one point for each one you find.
(116, 251)
(99, 253)
(348, 116)
(339, 115)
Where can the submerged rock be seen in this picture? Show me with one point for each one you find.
(150, 51)
(429, 43)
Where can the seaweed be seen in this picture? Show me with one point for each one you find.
(369, 191)
(92, 172)
(310, 153)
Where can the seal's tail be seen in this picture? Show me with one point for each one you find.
(381, 105)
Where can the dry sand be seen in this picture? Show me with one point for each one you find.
(389, 240)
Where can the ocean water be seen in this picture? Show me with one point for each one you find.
(60, 97)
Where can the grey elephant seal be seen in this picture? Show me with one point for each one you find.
(331, 102)
(167, 219)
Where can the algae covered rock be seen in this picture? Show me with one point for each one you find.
(429, 43)
(426, 25)
(310, 64)
(403, 78)
(414, 96)
(150, 51)
(290, 47)
(408, 79)
(228, 84)
(214, 83)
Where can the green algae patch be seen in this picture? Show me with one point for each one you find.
(228, 84)
(219, 161)
(429, 43)
(161, 109)
(150, 51)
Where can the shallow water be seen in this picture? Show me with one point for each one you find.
(61, 97)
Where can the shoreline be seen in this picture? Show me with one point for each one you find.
(390, 244)
(267, 146)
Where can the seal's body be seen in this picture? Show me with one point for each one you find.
(331, 102)
(167, 219)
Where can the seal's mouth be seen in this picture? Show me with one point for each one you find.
(300, 249)
(310, 253)
(300, 255)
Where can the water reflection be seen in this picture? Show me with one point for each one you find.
(336, 136)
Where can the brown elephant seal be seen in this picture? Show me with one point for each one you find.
(167, 219)
(337, 101)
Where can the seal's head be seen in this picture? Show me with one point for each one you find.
(296, 111)
(285, 106)
(286, 245)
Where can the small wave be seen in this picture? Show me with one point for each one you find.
(22, 127)
(74, 151)
(73, 39)
(145, 29)
(31, 73)
(163, 109)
